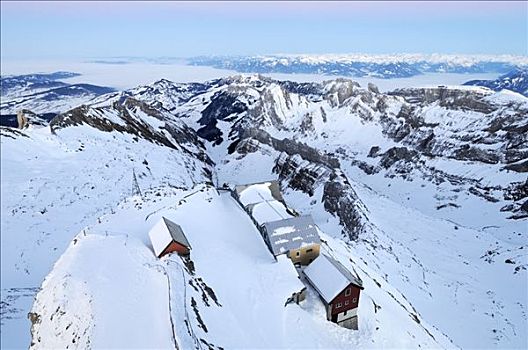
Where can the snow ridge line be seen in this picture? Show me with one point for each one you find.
(170, 311)
(175, 341)
(191, 330)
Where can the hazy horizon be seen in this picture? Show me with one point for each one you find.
(74, 30)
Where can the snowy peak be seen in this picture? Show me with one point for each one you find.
(130, 116)
(30, 82)
(45, 93)
(516, 80)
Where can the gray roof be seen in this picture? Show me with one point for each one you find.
(176, 233)
(291, 233)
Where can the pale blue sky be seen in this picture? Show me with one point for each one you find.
(103, 29)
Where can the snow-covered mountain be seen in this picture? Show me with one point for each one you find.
(45, 93)
(17, 84)
(56, 180)
(516, 80)
(422, 192)
(359, 65)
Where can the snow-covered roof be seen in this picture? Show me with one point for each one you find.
(260, 192)
(289, 270)
(329, 277)
(268, 211)
(291, 233)
(164, 232)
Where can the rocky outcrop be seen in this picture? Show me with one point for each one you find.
(222, 106)
(450, 98)
(127, 116)
(339, 198)
(299, 174)
(290, 147)
(396, 154)
(467, 152)
(26, 117)
(373, 88)
(521, 167)
(338, 91)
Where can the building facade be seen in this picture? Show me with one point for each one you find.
(338, 288)
(168, 237)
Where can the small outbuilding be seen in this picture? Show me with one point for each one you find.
(168, 237)
(296, 236)
(338, 288)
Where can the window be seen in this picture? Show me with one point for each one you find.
(348, 291)
(344, 313)
(338, 305)
(298, 253)
(309, 250)
(354, 300)
(346, 302)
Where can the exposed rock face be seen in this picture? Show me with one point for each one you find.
(173, 134)
(374, 151)
(521, 167)
(467, 152)
(26, 117)
(299, 174)
(373, 88)
(22, 120)
(413, 128)
(221, 107)
(396, 154)
(338, 91)
(339, 198)
(291, 147)
(449, 98)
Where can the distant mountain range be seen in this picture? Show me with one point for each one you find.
(516, 80)
(45, 93)
(357, 65)
(17, 83)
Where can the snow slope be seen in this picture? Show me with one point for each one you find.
(45, 93)
(53, 185)
(230, 294)
(442, 268)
